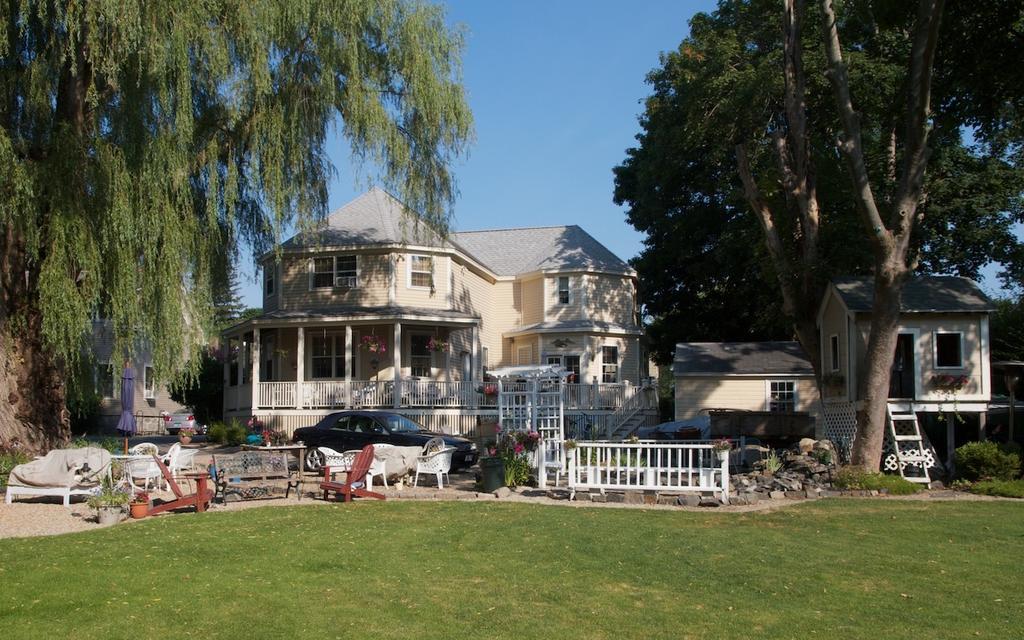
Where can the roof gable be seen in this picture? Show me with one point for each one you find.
(512, 252)
(374, 218)
(921, 294)
(741, 358)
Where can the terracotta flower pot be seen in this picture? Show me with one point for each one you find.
(139, 510)
(184, 439)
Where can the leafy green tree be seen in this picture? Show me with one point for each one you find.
(140, 142)
(745, 116)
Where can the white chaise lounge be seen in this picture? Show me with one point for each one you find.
(61, 472)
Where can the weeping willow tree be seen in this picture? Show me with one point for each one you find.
(143, 142)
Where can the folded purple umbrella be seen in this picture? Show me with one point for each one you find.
(126, 424)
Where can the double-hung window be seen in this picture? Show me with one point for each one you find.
(609, 364)
(782, 396)
(421, 271)
(949, 349)
(269, 279)
(328, 356)
(334, 272)
(148, 383)
(563, 290)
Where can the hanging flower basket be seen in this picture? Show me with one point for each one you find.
(949, 384)
(373, 344)
(437, 345)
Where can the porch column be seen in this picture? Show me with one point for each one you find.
(951, 443)
(226, 350)
(476, 368)
(300, 365)
(255, 369)
(397, 364)
(348, 365)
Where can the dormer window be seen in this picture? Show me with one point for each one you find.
(421, 271)
(563, 290)
(334, 272)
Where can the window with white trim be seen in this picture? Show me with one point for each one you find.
(949, 349)
(269, 279)
(148, 383)
(420, 357)
(421, 271)
(570, 364)
(833, 348)
(332, 272)
(782, 396)
(327, 358)
(563, 290)
(609, 364)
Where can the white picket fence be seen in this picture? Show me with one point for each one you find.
(648, 466)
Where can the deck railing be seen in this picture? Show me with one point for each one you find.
(648, 466)
(338, 394)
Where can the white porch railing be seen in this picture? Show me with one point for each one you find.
(277, 395)
(337, 394)
(648, 466)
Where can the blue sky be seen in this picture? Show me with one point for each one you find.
(555, 89)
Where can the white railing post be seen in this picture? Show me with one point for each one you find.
(539, 456)
(725, 478)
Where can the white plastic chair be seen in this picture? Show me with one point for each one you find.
(178, 459)
(144, 449)
(438, 462)
(143, 468)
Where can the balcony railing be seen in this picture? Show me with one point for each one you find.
(375, 394)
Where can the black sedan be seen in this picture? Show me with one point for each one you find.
(347, 430)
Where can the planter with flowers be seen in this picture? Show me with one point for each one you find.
(109, 502)
(949, 386)
(374, 344)
(437, 345)
(721, 448)
(185, 435)
(515, 450)
(139, 506)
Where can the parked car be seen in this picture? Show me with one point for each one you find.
(174, 422)
(345, 430)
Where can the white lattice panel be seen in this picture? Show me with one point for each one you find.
(840, 425)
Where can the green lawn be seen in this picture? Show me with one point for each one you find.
(841, 568)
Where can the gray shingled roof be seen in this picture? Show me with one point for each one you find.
(509, 252)
(355, 313)
(375, 217)
(577, 325)
(738, 358)
(921, 294)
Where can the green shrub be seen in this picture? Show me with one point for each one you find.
(236, 433)
(1004, 488)
(986, 460)
(854, 478)
(217, 433)
(8, 461)
(111, 444)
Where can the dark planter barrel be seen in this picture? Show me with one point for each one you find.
(493, 472)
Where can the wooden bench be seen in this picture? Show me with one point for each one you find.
(251, 475)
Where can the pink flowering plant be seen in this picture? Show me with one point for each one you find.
(436, 344)
(515, 448)
(374, 344)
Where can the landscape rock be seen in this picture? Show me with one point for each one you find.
(615, 497)
(502, 492)
(709, 502)
(777, 495)
(806, 445)
(633, 497)
(688, 500)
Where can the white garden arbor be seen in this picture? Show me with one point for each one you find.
(532, 398)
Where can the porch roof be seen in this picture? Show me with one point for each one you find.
(574, 326)
(356, 314)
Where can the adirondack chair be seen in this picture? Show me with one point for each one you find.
(200, 499)
(355, 479)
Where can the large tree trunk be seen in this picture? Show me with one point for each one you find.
(873, 386)
(33, 416)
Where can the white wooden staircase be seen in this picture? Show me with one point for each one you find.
(905, 432)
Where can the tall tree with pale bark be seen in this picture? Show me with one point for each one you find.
(142, 142)
(828, 147)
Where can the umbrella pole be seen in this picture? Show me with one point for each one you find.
(126, 445)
